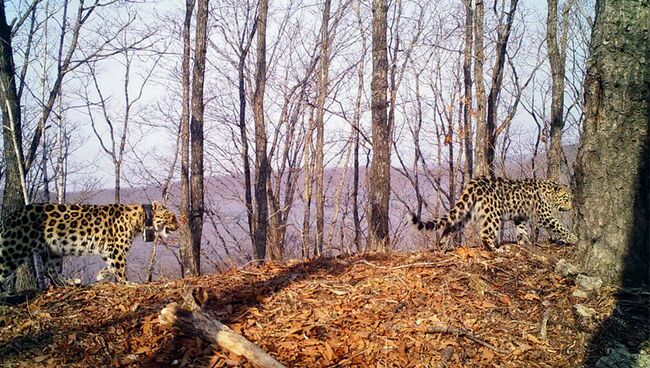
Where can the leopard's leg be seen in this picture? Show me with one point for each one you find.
(522, 230)
(490, 228)
(554, 226)
(53, 266)
(12, 256)
(115, 265)
(454, 223)
(449, 230)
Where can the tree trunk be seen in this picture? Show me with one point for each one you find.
(60, 157)
(613, 166)
(185, 234)
(248, 188)
(556, 58)
(496, 86)
(320, 127)
(196, 137)
(15, 191)
(262, 163)
(117, 181)
(480, 157)
(356, 135)
(379, 180)
(467, 100)
(308, 178)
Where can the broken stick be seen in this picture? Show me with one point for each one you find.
(464, 333)
(194, 322)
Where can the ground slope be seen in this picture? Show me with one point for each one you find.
(370, 310)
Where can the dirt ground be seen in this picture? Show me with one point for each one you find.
(360, 311)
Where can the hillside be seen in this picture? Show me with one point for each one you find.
(361, 311)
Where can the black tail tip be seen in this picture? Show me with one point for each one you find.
(414, 218)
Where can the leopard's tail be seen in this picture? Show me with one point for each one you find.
(458, 215)
(423, 225)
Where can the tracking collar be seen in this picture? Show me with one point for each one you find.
(148, 231)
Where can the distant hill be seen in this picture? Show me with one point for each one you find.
(226, 226)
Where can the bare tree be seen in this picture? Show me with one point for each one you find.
(467, 98)
(320, 104)
(557, 59)
(503, 34)
(196, 134)
(379, 180)
(261, 162)
(192, 140)
(480, 153)
(186, 251)
(240, 44)
(118, 127)
(356, 130)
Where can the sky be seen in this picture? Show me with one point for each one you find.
(150, 141)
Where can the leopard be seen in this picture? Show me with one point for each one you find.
(53, 231)
(492, 200)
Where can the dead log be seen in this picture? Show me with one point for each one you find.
(194, 322)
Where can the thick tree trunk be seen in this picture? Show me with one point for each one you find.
(320, 128)
(613, 169)
(185, 234)
(262, 163)
(379, 180)
(15, 191)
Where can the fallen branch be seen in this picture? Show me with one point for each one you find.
(463, 333)
(194, 322)
(417, 264)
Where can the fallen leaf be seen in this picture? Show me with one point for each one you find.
(505, 299)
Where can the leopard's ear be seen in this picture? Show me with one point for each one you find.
(157, 205)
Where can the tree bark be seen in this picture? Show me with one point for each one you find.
(557, 59)
(379, 179)
(193, 321)
(467, 100)
(248, 187)
(612, 175)
(480, 157)
(320, 128)
(15, 191)
(185, 234)
(503, 34)
(262, 163)
(196, 137)
(356, 134)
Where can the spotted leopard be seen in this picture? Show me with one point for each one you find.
(52, 231)
(493, 200)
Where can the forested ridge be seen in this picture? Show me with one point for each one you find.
(276, 155)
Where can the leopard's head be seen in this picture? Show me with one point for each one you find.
(561, 195)
(164, 220)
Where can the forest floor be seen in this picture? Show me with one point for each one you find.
(360, 311)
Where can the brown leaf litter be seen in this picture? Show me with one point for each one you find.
(359, 311)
